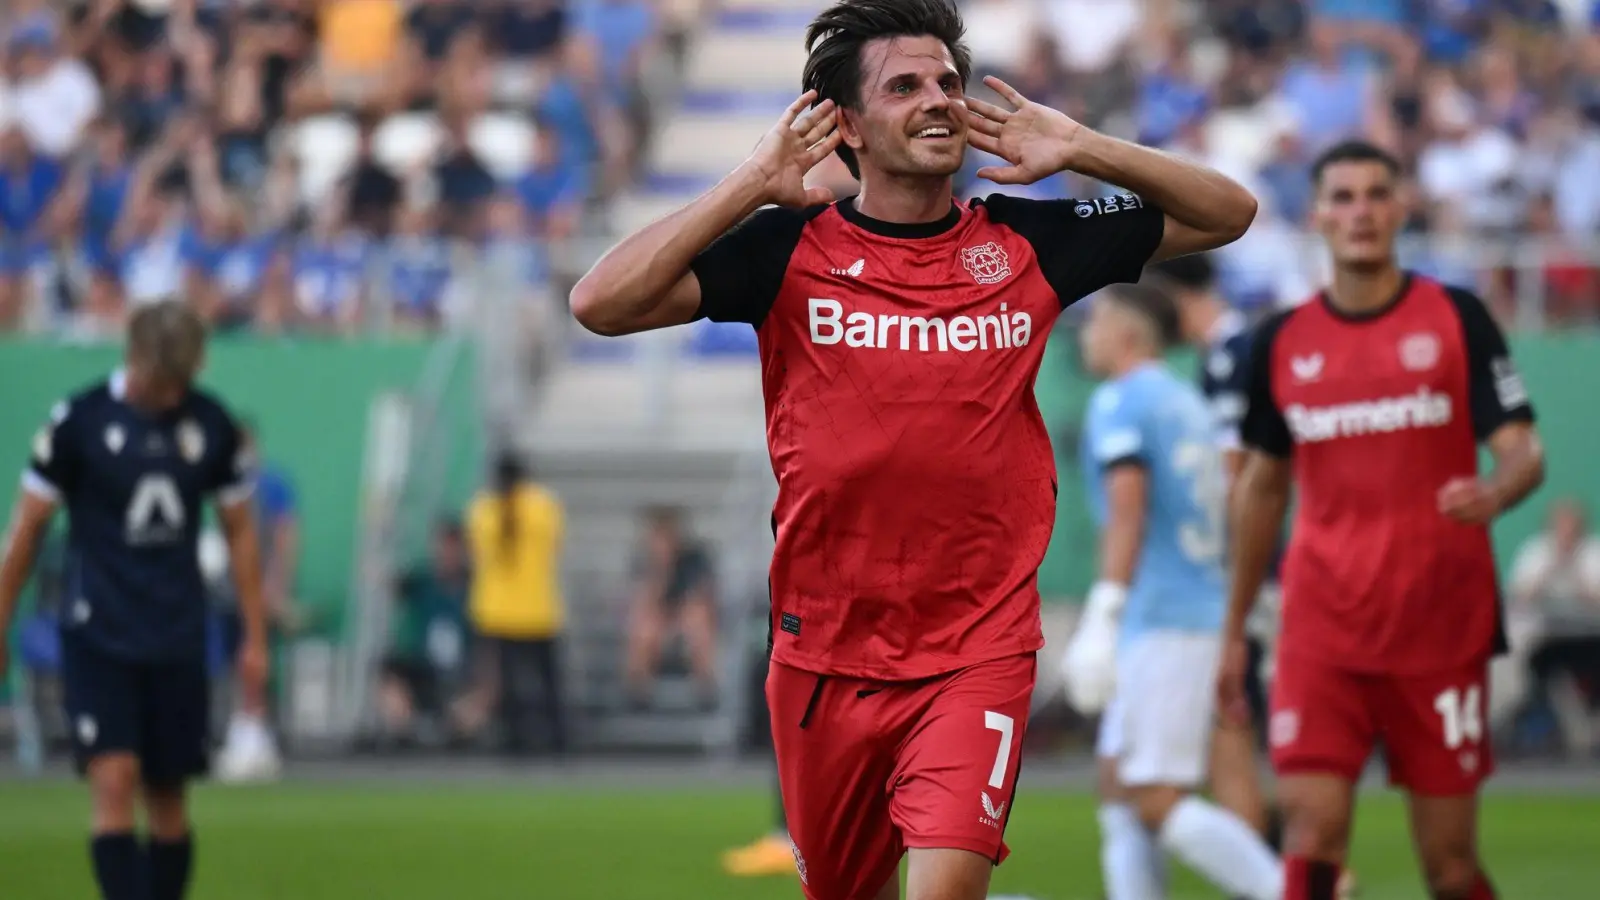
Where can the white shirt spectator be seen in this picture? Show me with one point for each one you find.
(997, 32)
(1092, 33)
(54, 108)
(1568, 587)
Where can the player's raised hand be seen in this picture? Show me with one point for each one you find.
(1233, 703)
(1032, 137)
(1469, 501)
(803, 137)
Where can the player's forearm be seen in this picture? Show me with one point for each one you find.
(1518, 469)
(1195, 195)
(1119, 549)
(21, 546)
(633, 279)
(244, 556)
(1257, 519)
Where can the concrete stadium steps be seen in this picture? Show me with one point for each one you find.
(749, 58)
(709, 142)
(603, 491)
(707, 403)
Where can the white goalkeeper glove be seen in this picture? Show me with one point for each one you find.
(1090, 662)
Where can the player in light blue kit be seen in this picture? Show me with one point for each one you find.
(1150, 638)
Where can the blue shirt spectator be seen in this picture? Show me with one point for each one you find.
(417, 268)
(619, 29)
(29, 185)
(1330, 101)
(554, 187)
(1168, 103)
(236, 265)
(328, 275)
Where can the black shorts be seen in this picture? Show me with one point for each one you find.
(420, 678)
(159, 712)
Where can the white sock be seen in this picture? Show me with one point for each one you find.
(1220, 846)
(1133, 866)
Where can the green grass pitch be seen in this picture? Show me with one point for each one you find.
(505, 841)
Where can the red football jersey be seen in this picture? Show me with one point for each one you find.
(1378, 413)
(916, 483)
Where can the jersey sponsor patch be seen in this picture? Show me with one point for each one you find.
(1508, 386)
(1002, 330)
(1422, 409)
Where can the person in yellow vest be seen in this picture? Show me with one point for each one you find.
(514, 531)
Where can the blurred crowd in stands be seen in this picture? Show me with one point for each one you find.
(1493, 105)
(318, 165)
(286, 162)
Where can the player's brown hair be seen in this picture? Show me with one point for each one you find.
(837, 35)
(1155, 306)
(1353, 151)
(167, 341)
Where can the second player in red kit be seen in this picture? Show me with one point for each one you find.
(1371, 400)
(900, 335)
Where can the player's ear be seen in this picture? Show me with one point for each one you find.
(849, 130)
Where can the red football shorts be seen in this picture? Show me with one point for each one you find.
(871, 768)
(1327, 720)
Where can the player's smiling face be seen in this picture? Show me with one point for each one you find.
(909, 120)
(1358, 212)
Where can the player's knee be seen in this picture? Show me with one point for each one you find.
(1452, 877)
(1154, 804)
(168, 811)
(114, 785)
(1314, 831)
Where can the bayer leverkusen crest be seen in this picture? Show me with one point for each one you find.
(987, 262)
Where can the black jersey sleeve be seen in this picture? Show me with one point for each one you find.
(1225, 382)
(741, 273)
(1498, 395)
(231, 470)
(1263, 427)
(1083, 245)
(55, 461)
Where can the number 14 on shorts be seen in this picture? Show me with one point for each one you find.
(1461, 713)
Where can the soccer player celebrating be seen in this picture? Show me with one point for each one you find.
(900, 336)
(132, 459)
(1155, 481)
(1371, 399)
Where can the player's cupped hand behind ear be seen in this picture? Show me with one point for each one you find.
(1035, 139)
(802, 137)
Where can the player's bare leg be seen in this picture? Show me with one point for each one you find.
(1445, 830)
(646, 632)
(1316, 840)
(1131, 864)
(169, 850)
(1235, 775)
(943, 874)
(114, 788)
(699, 623)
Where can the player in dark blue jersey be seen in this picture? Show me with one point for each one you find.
(132, 460)
(1220, 334)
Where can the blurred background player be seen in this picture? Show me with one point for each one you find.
(133, 459)
(1371, 399)
(1221, 335)
(1155, 481)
